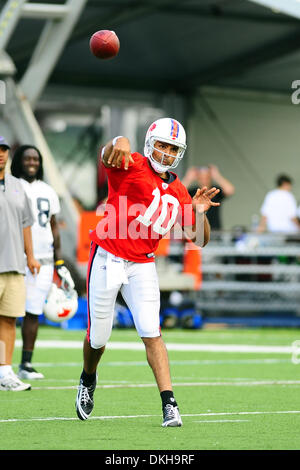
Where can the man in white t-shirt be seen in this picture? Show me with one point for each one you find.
(27, 165)
(279, 209)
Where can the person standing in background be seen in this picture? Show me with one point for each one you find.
(279, 209)
(16, 219)
(197, 177)
(27, 164)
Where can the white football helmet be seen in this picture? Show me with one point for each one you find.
(61, 304)
(165, 130)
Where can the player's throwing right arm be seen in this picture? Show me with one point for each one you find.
(116, 151)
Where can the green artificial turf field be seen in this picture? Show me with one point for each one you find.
(237, 389)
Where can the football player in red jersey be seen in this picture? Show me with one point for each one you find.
(145, 200)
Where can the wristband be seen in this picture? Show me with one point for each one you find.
(114, 141)
(59, 262)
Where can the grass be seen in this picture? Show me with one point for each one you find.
(229, 400)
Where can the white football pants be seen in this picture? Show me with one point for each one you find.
(37, 288)
(138, 284)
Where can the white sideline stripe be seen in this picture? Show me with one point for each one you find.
(241, 348)
(237, 413)
(186, 384)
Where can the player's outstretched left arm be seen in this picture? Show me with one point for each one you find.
(201, 203)
(116, 151)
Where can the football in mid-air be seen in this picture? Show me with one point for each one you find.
(104, 44)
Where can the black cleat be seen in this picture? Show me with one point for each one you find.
(27, 372)
(84, 400)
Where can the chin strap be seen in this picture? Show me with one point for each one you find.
(157, 167)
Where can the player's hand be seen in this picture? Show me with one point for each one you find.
(120, 152)
(202, 201)
(64, 275)
(33, 265)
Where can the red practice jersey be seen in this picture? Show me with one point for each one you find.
(140, 210)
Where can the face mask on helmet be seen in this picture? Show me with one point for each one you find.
(61, 304)
(171, 132)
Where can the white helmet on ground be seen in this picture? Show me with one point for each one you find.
(61, 304)
(165, 130)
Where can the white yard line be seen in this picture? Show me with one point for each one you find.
(183, 384)
(222, 421)
(237, 413)
(134, 346)
(172, 362)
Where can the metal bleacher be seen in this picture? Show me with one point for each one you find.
(249, 273)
